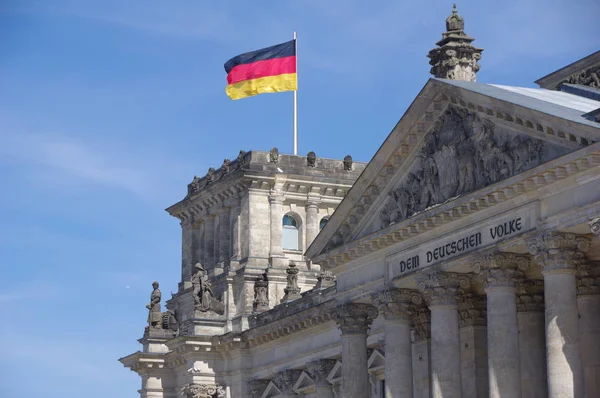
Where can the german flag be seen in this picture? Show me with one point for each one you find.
(269, 70)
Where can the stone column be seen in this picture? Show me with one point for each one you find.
(532, 338)
(209, 243)
(285, 381)
(312, 220)
(236, 250)
(472, 323)
(396, 307)
(354, 320)
(588, 301)
(421, 352)
(224, 234)
(318, 371)
(440, 289)
(499, 271)
(276, 230)
(559, 254)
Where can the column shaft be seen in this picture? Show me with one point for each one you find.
(445, 352)
(312, 222)
(589, 330)
(503, 343)
(276, 230)
(532, 353)
(355, 377)
(398, 359)
(565, 378)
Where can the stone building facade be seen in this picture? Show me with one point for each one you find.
(466, 256)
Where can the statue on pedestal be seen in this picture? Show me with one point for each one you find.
(204, 299)
(154, 314)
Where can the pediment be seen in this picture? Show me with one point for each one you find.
(376, 361)
(271, 391)
(451, 143)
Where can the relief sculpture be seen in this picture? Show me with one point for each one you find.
(463, 153)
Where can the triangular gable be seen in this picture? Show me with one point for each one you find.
(376, 361)
(452, 130)
(271, 391)
(336, 373)
(304, 385)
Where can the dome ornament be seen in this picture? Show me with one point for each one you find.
(455, 22)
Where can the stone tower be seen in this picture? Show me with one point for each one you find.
(455, 57)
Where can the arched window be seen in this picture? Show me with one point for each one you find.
(291, 233)
(323, 222)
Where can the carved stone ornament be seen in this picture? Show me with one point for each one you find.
(397, 304)
(325, 279)
(193, 390)
(347, 162)
(261, 294)
(422, 323)
(501, 269)
(154, 314)
(274, 155)
(588, 281)
(286, 379)
(204, 299)
(194, 186)
(241, 158)
(257, 387)
(292, 290)
(595, 226)
(319, 370)
(472, 310)
(530, 295)
(555, 251)
(311, 159)
(441, 288)
(462, 154)
(588, 77)
(225, 166)
(354, 318)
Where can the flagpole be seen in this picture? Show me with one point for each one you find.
(296, 100)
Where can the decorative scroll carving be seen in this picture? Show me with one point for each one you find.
(193, 390)
(257, 387)
(347, 162)
(286, 379)
(292, 290)
(501, 269)
(588, 282)
(440, 288)
(397, 304)
(595, 226)
(261, 294)
(588, 77)
(311, 159)
(558, 251)
(530, 295)
(154, 314)
(463, 153)
(472, 310)
(354, 318)
(319, 370)
(422, 323)
(274, 155)
(204, 299)
(325, 279)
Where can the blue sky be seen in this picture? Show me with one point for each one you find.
(108, 108)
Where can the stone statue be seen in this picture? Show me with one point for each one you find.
(194, 185)
(274, 155)
(292, 290)
(588, 77)
(210, 175)
(154, 314)
(311, 159)
(348, 162)
(463, 153)
(225, 166)
(204, 299)
(261, 294)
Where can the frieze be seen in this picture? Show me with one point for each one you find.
(462, 154)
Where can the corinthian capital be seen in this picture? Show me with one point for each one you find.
(354, 318)
(319, 370)
(595, 226)
(555, 251)
(501, 269)
(397, 304)
(440, 288)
